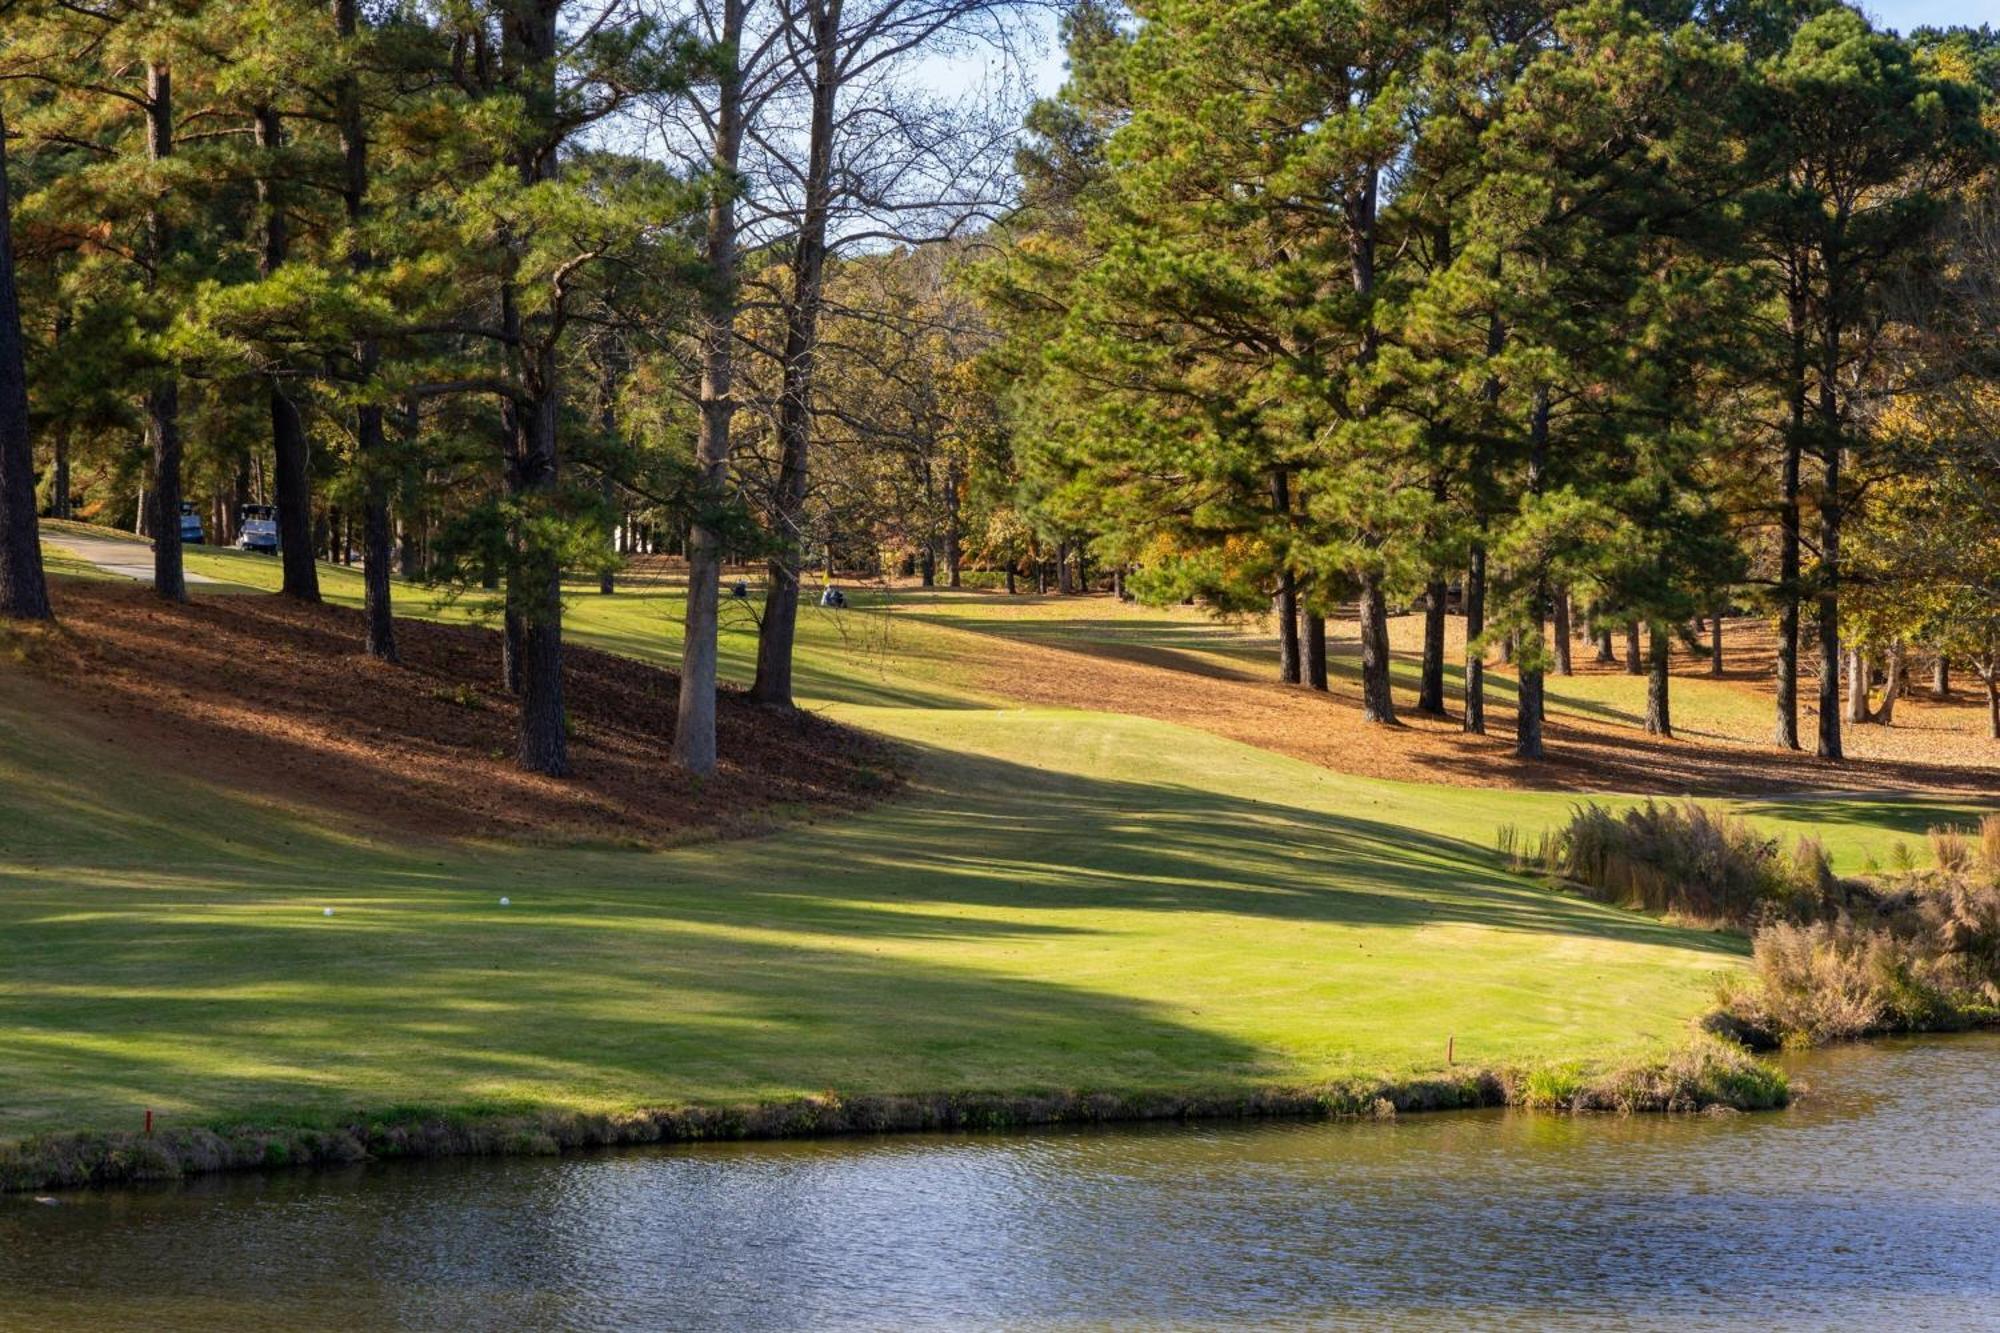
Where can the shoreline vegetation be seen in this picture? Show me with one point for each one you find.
(1705, 1075)
(1833, 958)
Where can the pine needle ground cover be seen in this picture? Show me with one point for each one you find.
(1061, 899)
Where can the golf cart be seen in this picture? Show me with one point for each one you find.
(259, 530)
(191, 529)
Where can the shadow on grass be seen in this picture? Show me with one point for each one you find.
(183, 963)
(277, 1025)
(986, 832)
(1914, 815)
(1177, 645)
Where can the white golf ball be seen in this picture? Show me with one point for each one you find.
(506, 902)
(327, 912)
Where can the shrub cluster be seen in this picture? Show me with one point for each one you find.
(1681, 860)
(1916, 950)
(1920, 954)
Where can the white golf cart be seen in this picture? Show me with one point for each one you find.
(259, 530)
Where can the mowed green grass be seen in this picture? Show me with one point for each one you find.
(1061, 900)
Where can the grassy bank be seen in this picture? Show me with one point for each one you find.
(1066, 904)
(1064, 900)
(1703, 1075)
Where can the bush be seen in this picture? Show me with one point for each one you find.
(1922, 958)
(1830, 980)
(1832, 958)
(1950, 849)
(1552, 1087)
(1683, 860)
(1959, 918)
(1704, 1073)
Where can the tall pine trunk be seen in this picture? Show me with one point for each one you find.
(163, 400)
(614, 365)
(607, 492)
(1475, 580)
(1563, 666)
(1475, 656)
(1430, 672)
(1828, 581)
(1315, 649)
(291, 478)
(1789, 590)
(1377, 700)
(1634, 665)
(1529, 716)
(534, 594)
(371, 441)
(239, 496)
(954, 540)
(59, 484)
(513, 631)
(694, 725)
(1286, 607)
(779, 630)
(24, 591)
(1715, 643)
(1430, 686)
(1659, 720)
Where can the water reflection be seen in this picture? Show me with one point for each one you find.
(1875, 1200)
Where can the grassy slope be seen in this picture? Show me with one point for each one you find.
(1067, 899)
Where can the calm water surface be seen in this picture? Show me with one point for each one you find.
(1874, 1203)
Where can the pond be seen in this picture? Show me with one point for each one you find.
(1876, 1199)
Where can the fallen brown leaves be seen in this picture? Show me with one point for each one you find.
(276, 698)
(1933, 748)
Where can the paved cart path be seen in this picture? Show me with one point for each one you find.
(132, 560)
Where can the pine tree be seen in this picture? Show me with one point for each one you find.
(1867, 148)
(1551, 251)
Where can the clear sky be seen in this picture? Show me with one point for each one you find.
(1903, 15)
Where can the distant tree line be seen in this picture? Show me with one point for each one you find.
(1620, 312)
(476, 288)
(1604, 318)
